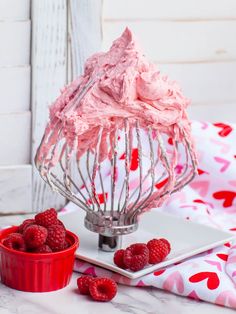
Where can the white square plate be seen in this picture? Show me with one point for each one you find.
(187, 239)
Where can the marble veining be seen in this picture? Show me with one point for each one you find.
(130, 300)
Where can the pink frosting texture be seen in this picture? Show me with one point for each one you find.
(117, 84)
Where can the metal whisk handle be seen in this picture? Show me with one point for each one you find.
(109, 244)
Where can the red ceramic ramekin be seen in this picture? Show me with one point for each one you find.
(41, 272)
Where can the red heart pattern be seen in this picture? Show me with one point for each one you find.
(209, 197)
(222, 256)
(200, 171)
(174, 282)
(199, 201)
(134, 159)
(225, 129)
(227, 298)
(193, 295)
(161, 184)
(90, 271)
(159, 272)
(224, 162)
(100, 198)
(212, 279)
(201, 186)
(227, 196)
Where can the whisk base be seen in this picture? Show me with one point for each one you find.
(109, 225)
(110, 228)
(109, 244)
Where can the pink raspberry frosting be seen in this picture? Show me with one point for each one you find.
(117, 84)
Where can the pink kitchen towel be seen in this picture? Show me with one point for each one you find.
(210, 199)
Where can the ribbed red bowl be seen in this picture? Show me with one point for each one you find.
(41, 272)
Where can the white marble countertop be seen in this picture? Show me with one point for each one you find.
(128, 300)
(131, 300)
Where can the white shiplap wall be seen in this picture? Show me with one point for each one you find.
(193, 41)
(49, 74)
(15, 115)
(37, 58)
(60, 45)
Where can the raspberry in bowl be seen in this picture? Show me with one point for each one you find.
(37, 258)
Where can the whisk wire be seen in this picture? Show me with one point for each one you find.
(132, 190)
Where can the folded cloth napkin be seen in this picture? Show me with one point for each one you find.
(210, 199)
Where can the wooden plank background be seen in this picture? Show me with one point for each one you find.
(15, 89)
(180, 41)
(14, 10)
(193, 41)
(61, 44)
(206, 83)
(169, 10)
(15, 115)
(49, 74)
(15, 43)
(16, 144)
(16, 189)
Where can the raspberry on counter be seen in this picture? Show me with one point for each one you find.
(83, 283)
(103, 289)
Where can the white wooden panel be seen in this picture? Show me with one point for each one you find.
(85, 32)
(15, 189)
(49, 74)
(84, 18)
(15, 132)
(165, 42)
(15, 43)
(14, 89)
(52, 65)
(213, 113)
(169, 9)
(14, 9)
(205, 83)
(13, 220)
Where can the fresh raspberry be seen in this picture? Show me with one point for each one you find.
(136, 256)
(35, 236)
(43, 249)
(59, 222)
(167, 243)
(119, 259)
(25, 224)
(83, 283)
(15, 241)
(56, 238)
(158, 250)
(47, 218)
(66, 245)
(102, 289)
